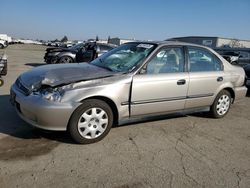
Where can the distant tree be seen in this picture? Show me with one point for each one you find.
(109, 39)
(64, 39)
(97, 38)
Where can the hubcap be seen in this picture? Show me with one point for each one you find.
(92, 123)
(66, 60)
(223, 104)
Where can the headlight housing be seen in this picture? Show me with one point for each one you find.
(52, 94)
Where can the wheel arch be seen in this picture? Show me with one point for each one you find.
(228, 87)
(231, 91)
(111, 104)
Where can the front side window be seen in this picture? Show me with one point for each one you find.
(167, 60)
(124, 57)
(202, 60)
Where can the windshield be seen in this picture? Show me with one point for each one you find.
(77, 46)
(124, 57)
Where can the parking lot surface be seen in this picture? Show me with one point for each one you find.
(173, 151)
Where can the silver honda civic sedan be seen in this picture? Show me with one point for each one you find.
(136, 79)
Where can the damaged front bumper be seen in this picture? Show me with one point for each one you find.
(41, 113)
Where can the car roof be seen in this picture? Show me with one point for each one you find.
(171, 43)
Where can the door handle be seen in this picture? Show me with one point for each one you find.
(181, 82)
(220, 79)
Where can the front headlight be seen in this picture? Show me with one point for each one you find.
(52, 94)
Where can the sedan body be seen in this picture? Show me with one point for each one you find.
(134, 80)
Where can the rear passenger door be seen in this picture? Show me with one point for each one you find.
(205, 77)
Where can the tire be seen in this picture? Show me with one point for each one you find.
(234, 63)
(66, 59)
(221, 104)
(1, 46)
(90, 122)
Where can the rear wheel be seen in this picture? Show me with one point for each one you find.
(66, 59)
(90, 122)
(1, 46)
(221, 104)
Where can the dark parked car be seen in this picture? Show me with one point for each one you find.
(83, 52)
(240, 56)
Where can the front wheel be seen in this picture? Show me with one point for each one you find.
(90, 122)
(66, 59)
(221, 104)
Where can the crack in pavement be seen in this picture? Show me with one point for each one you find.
(162, 169)
(239, 179)
(239, 175)
(182, 155)
(136, 146)
(189, 146)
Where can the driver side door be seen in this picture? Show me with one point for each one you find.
(163, 86)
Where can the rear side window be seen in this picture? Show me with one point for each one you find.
(201, 60)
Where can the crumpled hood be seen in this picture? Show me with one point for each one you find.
(62, 74)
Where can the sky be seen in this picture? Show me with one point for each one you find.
(139, 19)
